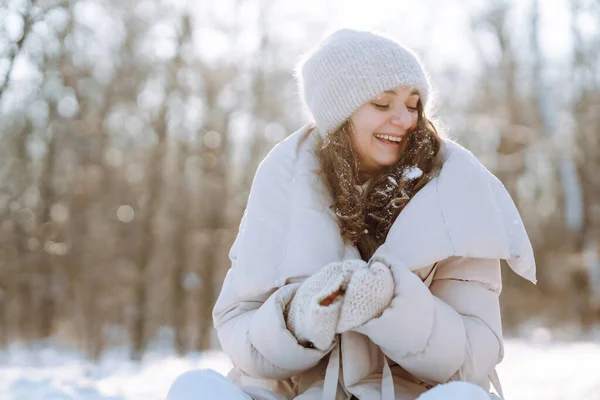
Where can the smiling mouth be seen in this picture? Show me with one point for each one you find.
(387, 139)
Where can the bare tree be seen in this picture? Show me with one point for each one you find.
(585, 102)
(214, 150)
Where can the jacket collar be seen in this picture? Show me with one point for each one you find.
(465, 211)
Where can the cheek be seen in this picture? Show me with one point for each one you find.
(371, 120)
(367, 125)
(415, 120)
(362, 138)
(366, 122)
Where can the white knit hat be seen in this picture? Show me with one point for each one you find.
(349, 68)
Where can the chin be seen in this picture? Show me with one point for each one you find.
(388, 162)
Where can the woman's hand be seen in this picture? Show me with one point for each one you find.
(313, 313)
(369, 292)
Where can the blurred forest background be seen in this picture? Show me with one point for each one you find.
(130, 132)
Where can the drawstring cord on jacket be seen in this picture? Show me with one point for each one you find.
(387, 382)
(496, 383)
(332, 374)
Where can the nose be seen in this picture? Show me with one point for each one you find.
(402, 118)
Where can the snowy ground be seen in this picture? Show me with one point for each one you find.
(530, 371)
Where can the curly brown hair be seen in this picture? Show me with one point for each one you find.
(365, 216)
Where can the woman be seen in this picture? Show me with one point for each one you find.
(367, 263)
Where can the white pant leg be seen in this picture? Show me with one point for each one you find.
(455, 390)
(204, 384)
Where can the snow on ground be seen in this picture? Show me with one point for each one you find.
(531, 370)
(551, 371)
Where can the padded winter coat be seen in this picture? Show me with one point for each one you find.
(444, 250)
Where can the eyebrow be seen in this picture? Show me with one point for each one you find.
(412, 92)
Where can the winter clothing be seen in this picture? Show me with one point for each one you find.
(369, 292)
(349, 68)
(205, 384)
(311, 322)
(443, 250)
(455, 391)
(209, 384)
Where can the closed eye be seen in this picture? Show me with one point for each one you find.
(387, 107)
(381, 106)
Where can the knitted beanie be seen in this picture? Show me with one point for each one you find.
(348, 68)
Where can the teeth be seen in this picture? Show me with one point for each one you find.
(393, 139)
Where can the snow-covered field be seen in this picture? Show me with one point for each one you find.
(530, 371)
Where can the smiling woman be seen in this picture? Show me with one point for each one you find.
(367, 263)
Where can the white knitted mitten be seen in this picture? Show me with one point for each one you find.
(369, 292)
(313, 313)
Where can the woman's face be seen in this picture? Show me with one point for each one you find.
(380, 128)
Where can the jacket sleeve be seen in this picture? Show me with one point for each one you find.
(449, 331)
(253, 333)
(249, 313)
